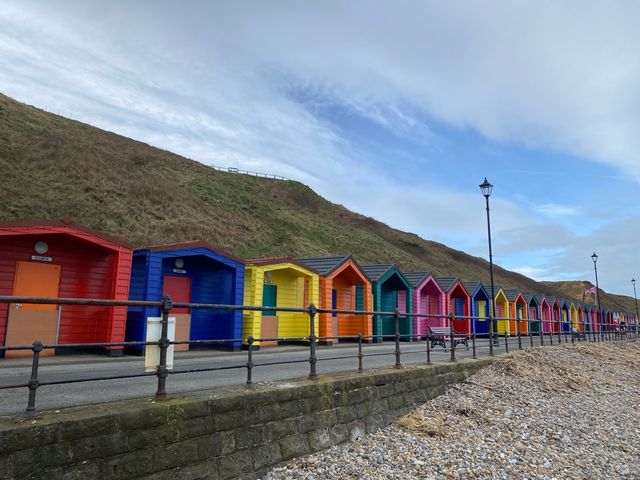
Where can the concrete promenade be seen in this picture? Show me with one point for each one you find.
(73, 367)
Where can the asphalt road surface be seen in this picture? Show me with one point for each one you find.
(77, 367)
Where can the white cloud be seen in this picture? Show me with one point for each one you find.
(555, 210)
(214, 82)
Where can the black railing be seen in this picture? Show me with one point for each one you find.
(577, 330)
(253, 174)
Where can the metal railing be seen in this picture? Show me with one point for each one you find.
(253, 174)
(573, 331)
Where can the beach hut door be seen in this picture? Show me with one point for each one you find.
(179, 289)
(30, 322)
(269, 317)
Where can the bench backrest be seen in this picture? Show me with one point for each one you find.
(440, 330)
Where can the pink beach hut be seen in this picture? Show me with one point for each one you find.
(545, 313)
(428, 298)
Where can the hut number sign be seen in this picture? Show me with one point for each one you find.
(41, 258)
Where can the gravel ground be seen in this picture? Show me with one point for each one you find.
(566, 412)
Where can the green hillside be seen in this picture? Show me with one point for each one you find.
(54, 167)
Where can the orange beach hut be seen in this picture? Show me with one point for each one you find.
(517, 310)
(343, 286)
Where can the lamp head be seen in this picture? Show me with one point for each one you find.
(594, 257)
(486, 187)
(633, 280)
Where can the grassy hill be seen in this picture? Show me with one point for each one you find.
(54, 167)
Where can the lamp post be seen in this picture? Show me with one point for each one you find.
(486, 189)
(594, 257)
(635, 297)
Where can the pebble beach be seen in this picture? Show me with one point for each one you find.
(562, 412)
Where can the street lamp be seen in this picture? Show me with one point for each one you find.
(594, 257)
(486, 188)
(635, 297)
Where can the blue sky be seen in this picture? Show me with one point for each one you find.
(397, 110)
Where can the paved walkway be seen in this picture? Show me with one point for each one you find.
(75, 367)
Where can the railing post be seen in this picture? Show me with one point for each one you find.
(473, 340)
(360, 355)
(396, 319)
(506, 338)
(529, 330)
(249, 361)
(162, 372)
(573, 335)
(312, 342)
(491, 332)
(33, 381)
(428, 348)
(559, 332)
(541, 328)
(452, 335)
(518, 332)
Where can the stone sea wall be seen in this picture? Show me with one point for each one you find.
(233, 432)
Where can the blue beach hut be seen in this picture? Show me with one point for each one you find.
(188, 272)
(565, 307)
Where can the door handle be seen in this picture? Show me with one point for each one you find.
(18, 305)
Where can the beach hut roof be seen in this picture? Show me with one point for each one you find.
(446, 283)
(62, 225)
(278, 260)
(512, 294)
(415, 279)
(473, 287)
(540, 298)
(529, 296)
(326, 265)
(376, 272)
(191, 245)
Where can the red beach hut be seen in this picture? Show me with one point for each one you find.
(457, 302)
(62, 259)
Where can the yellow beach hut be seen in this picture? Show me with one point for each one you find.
(278, 282)
(502, 310)
(573, 314)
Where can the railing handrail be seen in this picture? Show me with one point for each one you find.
(216, 306)
(598, 330)
(254, 174)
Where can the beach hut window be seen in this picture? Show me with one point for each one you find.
(359, 297)
(334, 301)
(41, 247)
(306, 293)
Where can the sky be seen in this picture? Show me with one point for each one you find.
(397, 110)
